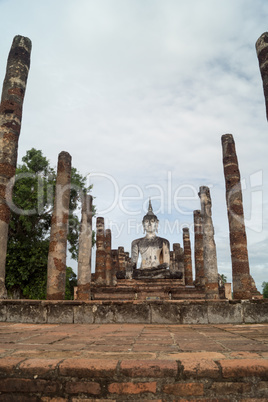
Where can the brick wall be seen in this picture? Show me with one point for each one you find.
(73, 379)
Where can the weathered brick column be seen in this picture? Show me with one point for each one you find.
(56, 264)
(100, 271)
(262, 53)
(121, 259)
(209, 246)
(108, 261)
(13, 92)
(198, 249)
(115, 266)
(187, 257)
(172, 261)
(84, 253)
(243, 283)
(179, 258)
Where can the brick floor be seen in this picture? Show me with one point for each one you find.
(106, 340)
(187, 354)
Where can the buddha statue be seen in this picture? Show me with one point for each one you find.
(154, 250)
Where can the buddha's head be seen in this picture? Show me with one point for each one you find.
(150, 221)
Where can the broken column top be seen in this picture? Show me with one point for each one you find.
(100, 220)
(204, 190)
(176, 246)
(185, 230)
(22, 41)
(197, 212)
(65, 155)
(227, 138)
(19, 53)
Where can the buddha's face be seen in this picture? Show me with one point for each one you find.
(150, 225)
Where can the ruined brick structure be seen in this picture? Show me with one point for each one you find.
(56, 264)
(13, 92)
(262, 53)
(163, 274)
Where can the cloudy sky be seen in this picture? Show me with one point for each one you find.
(140, 92)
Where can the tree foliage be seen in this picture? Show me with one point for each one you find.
(29, 229)
(223, 278)
(265, 290)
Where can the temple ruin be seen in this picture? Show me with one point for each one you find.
(163, 274)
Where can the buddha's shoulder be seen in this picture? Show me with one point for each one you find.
(137, 241)
(163, 241)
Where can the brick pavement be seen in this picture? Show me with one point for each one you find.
(133, 362)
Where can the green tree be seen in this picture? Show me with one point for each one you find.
(223, 278)
(265, 290)
(29, 229)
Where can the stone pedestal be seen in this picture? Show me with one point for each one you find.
(209, 246)
(85, 246)
(262, 53)
(198, 250)
(187, 258)
(56, 265)
(243, 284)
(13, 92)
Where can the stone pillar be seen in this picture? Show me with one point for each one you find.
(172, 262)
(115, 266)
(209, 246)
(187, 258)
(13, 92)
(56, 264)
(179, 256)
(243, 283)
(84, 252)
(100, 274)
(121, 259)
(108, 261)
(262, 53)
(198, 249)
